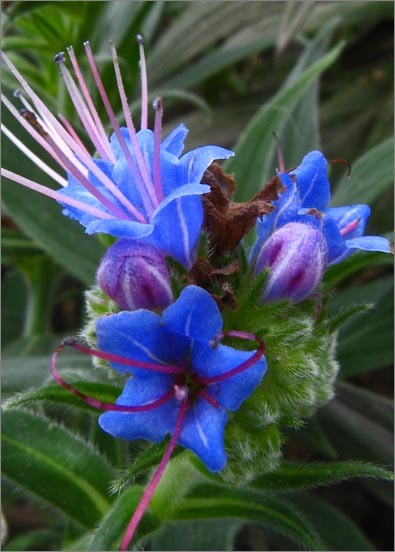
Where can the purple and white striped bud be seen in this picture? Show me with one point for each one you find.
(297, 256)
(135, 276)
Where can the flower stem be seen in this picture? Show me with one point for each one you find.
(149, 491)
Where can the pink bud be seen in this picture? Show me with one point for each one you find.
(135, 276)
(296, 255)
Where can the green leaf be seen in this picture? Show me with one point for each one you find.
(252, 164)
(56, 466)
(212, 502)
(336, 529)
(356, 262)
(63, 239)
(60, 396)
(296, 475)
(371, 175)
(109, 532)
(210, 534)
(39, 539)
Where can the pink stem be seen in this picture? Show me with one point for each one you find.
(72, 132)
(160, 368)
(149, 491)
(95, 403)
(243, 366)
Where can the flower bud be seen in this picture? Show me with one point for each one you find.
(135, 276)
(296, 255)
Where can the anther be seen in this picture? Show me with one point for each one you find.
(139, 39)
(17, 93)
(59, 58)
(181, 392)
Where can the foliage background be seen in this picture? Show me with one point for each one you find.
(233, 72)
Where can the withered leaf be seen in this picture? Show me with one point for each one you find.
(228, 221)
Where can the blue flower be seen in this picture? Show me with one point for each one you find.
(187, 365)
(305, 200)
(138, 186)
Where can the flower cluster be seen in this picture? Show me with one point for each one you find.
(165, 338)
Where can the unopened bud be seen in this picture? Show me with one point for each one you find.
(135, 276)
(296, 255)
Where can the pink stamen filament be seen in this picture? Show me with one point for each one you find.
(280, 157)
(95, 403)
(132, 130)
(144, 84)
(209, 398)
(350, 226)
(36, 160)
(243, 366)
(72, 132)
(160, 368)
(82, 110)
(152, 485)
(90, 104)
(58, 196)
(157, 140)
(148, 205)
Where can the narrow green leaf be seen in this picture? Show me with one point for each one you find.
(359, 260)
(336, 529)
(296, 475)
(371, 175)
(255, 150)
(109, 532)
(209, 534)
(63, 239)
(39, 539)
(211, 502)
(60, 396)
(56, 466)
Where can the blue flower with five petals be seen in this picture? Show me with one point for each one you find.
(178, 359)
(305, 200)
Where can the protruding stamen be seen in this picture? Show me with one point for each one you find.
(139, 182)
(59, 58)
(81, 108)
(58, 196)
(181, 392)
(150, 489)
(144, 85)
(131, 128)
(90, 104)
(72, 132)
(243, 366)
(350, 227)
(95, 403)
(36, 160)
(158, 106)
(345, 162)
(161, 368)
(280, 157)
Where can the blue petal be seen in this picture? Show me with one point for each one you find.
(178, 222)
(312, 180)
(174, 142)
(114, 143)
(370, 243)
(195, 314)
(337, 250)
(193, 164)
(139, 335)
(232, 392)
(203, 433)
(120, 228)
(152, 425)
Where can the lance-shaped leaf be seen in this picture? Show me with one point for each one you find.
(56, 466)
